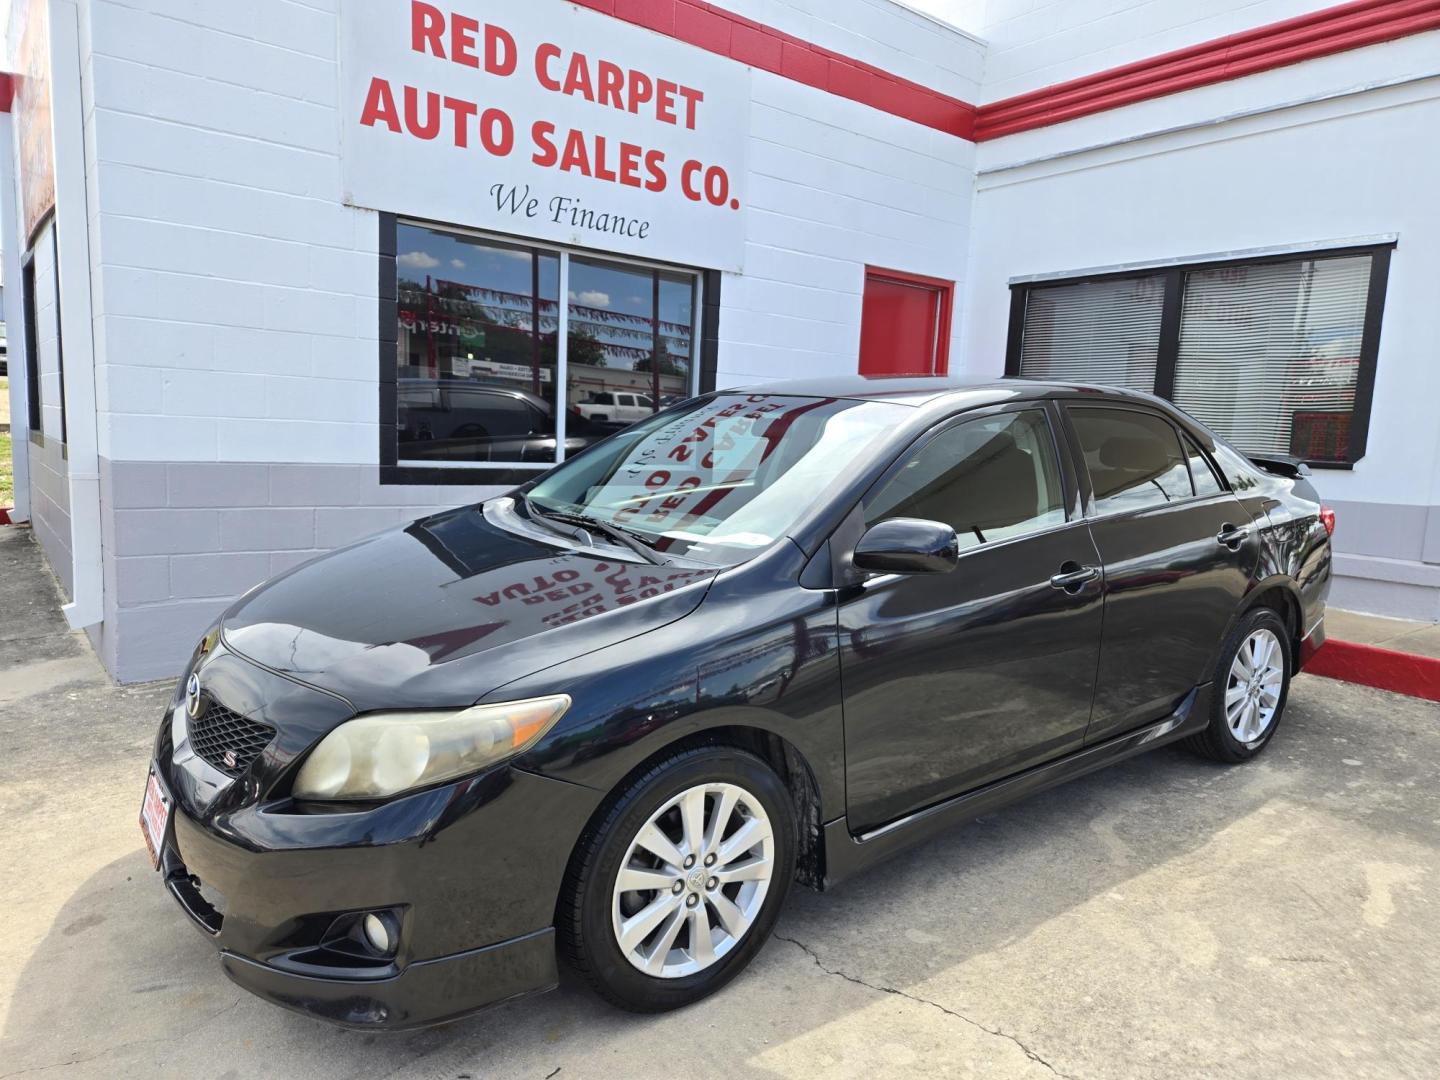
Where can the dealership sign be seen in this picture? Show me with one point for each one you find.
(546, 120)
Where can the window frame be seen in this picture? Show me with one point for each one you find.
(1187, 441)
(394, 470)
(59, 336)
(34, 414)
(1168, 350)
(1070, 491)
(943, 318)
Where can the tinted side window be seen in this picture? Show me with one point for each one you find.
(1237, 469)
(1134, 459)
(1206, 482)
(991, 479)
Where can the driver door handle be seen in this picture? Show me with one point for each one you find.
(1072, 576)
(1232, 536)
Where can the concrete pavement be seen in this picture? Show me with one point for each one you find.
(1401, 635)
(1165, 918)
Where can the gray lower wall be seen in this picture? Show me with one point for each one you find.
(183, 540)
(1387, 559)
(1387, 530)
(50, 506)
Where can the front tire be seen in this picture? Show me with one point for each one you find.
(678, 885)
(1251, 684)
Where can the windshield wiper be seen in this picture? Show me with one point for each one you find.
(604, 528)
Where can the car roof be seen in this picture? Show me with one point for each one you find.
(917, 392)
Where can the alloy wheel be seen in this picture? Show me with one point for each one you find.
(1252, 691)
(693, 880)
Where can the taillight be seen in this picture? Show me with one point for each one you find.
(1327, 518)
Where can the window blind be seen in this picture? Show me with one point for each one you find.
(1269, 354)
(1105, 331)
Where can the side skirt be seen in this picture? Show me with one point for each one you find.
(846, 854)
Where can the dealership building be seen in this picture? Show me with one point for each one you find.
(283, 273)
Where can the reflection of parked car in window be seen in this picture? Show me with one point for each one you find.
(460, 420)
(616, 408)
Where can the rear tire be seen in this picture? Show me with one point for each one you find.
(706, 840)
(1251, 684)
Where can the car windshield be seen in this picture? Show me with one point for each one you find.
(722, 478)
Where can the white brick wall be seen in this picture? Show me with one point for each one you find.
(1358, 165)
(236, 295)
(834, 186)
(1034, 43)
(231, 280)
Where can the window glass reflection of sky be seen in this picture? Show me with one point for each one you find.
(467, 261)
(612, 302)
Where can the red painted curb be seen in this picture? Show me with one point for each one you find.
(1385, 669)
(5, 515)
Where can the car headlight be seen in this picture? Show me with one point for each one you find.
(383, 754)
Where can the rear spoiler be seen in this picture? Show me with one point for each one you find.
(1281, 466)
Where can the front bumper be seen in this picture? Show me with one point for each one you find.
(471, 872)
(425, 992)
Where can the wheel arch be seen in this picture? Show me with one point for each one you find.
(1280, 595)
(782, 755)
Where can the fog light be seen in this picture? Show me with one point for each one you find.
(378, 934)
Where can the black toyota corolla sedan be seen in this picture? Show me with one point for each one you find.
(767, 635)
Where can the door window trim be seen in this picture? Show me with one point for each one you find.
(920, 442)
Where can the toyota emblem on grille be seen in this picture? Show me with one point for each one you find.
(192, 696)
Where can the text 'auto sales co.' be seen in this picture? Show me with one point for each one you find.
(542, 114)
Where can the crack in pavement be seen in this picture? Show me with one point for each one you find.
(924, 1001)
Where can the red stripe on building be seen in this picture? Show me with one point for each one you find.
(1321, 33)
(726, 34)
(1307, 37)
(1369, 665)
(7, 91)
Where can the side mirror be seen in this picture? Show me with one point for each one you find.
(907, 546)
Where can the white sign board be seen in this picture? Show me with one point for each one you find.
(547, 120)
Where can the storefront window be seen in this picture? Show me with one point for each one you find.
(1277, 355)
(480, 356)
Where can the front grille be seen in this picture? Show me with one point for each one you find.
(227, 740)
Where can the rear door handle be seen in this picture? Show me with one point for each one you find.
(1072, 576)
(1232, 536)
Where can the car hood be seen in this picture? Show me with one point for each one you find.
(444, 610)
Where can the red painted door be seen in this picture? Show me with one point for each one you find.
(904, 326)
